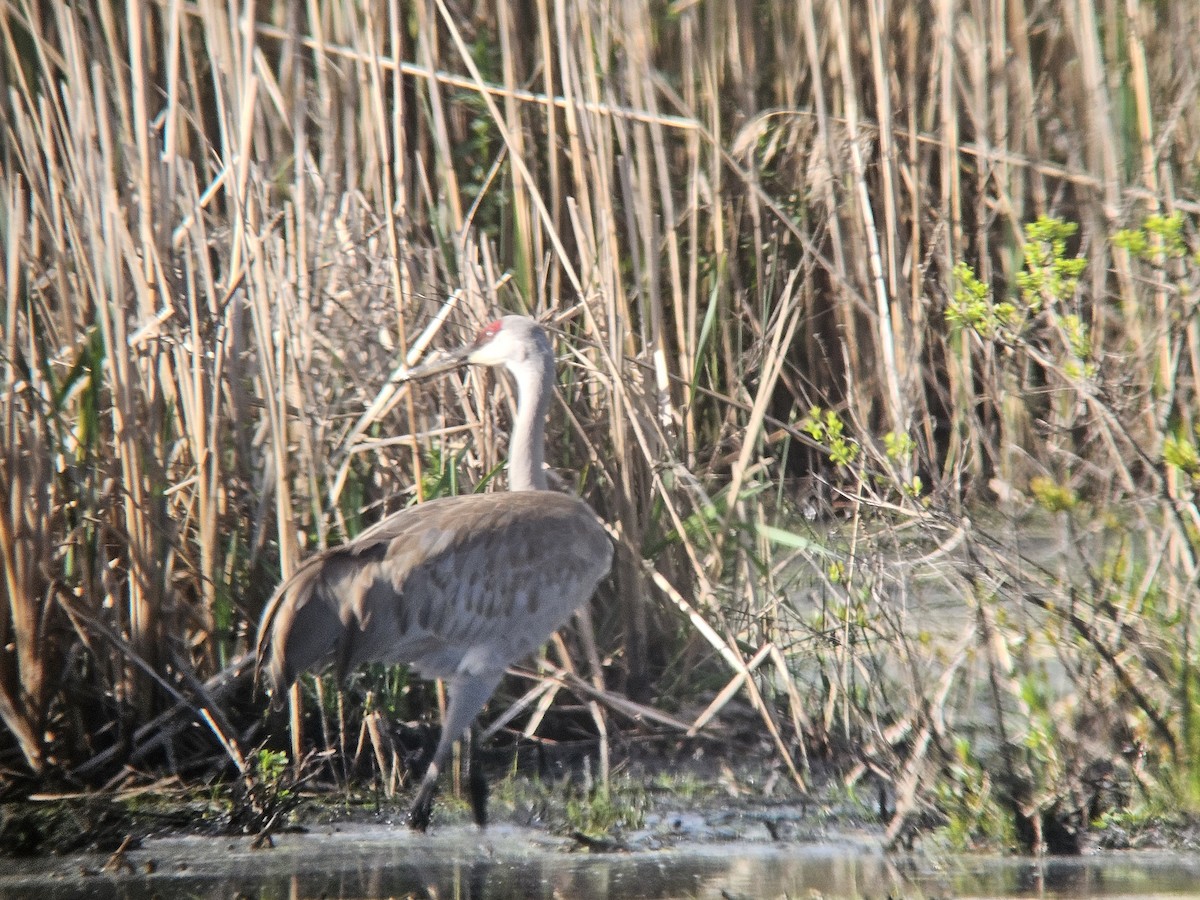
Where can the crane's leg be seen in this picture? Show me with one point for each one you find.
(477, 787)
(468, 693)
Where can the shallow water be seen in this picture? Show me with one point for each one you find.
(508, 861)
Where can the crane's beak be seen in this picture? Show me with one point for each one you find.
(438, 363)
(435, 364)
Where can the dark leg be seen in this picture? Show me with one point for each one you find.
(422, 808)
(477, 786)
(468, 693)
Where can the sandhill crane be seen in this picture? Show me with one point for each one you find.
(459, 588)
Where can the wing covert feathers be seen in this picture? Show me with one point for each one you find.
(461, 584)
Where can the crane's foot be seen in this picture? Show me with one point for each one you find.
(477, 788)
(420, 813)
(422, 808)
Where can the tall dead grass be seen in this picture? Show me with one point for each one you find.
(224, 225)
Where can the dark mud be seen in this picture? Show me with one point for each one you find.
(730, 857)
(693, 825)
(657, 834)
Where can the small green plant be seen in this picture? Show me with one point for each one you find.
(1157, 234)
(971, 307)
(1050, 276)
(600, 811)
(439, 477)
(1051, 495)
(1079, 341)
(827, 429)
(270, 767)
(1041, 737)
(1180, 453)
(265, 795)
(900, 447)
(966, 797)
(1047, 285)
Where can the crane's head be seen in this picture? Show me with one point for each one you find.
(515, 342)
(519, 344)
(510, 341)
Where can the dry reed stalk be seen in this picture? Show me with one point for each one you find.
(23, 677)
(428, 51)
(522, 229)
(965, 454)
(1163, 368)
(166, 726)
(27, 512)
(892, 336)
(274, 368)
(741, 668)
(557, 679)
(781, 338)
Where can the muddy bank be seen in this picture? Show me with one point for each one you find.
(727, 857)
(654, 801)
(695, 824)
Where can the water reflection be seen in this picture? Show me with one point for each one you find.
(510, 862)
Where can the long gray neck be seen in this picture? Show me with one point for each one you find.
(527, 449)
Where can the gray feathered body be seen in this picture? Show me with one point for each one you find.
(456, 587)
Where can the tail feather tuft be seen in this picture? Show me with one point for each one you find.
(299, 632)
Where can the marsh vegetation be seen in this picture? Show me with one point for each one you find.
(878, 340)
